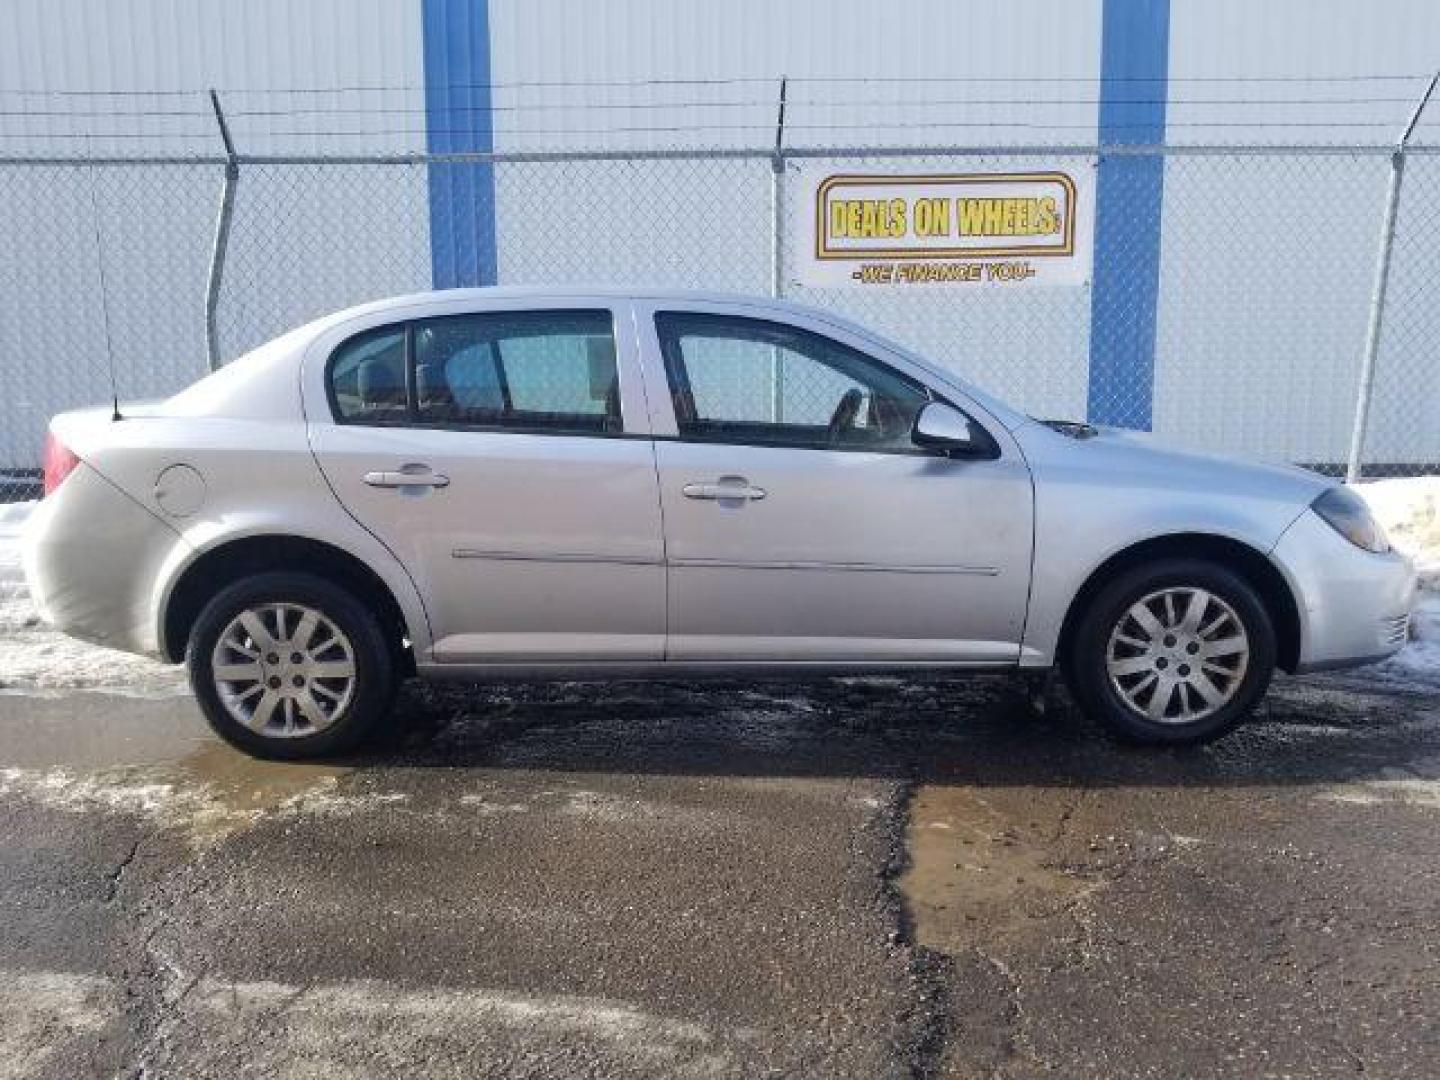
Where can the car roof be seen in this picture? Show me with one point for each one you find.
(489, 294)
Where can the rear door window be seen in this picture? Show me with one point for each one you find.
(529, 371)
(533, 371)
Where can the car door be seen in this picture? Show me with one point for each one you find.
(504, 457)
(801, 521)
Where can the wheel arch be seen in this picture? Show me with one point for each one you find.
(241, 557)
(1250, 563)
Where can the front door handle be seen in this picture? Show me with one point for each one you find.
(726, 489)
(407, 476)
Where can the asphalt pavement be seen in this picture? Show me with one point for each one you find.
(865, 878)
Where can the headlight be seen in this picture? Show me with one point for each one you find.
(1347, 514)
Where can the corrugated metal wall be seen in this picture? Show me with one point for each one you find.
(272, 59)
(1257, 355)
(633, 74)
(1225, 301)
(338, 76)
(367, 56)
(709, 72)
(85, 78)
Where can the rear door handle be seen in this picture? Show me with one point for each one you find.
(407, 476)
(726, 489)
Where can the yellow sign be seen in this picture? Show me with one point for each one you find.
(955, 229)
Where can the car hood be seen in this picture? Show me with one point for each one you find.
(1118, 456)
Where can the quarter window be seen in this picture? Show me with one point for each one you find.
(752, 381)
(367, 378)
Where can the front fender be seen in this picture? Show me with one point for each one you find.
(1094, 499)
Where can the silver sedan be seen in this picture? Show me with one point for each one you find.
(581, 484)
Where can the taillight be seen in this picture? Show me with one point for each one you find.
(60, 462)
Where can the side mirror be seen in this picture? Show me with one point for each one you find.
(945, 428)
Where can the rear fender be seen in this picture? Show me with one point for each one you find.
(312, 521)
(216, 479)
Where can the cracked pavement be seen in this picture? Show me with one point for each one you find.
(862, 878)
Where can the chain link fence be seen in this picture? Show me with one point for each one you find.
(1267, 277)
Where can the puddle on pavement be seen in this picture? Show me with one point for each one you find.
(248, 786)
(976, 869)
(156, 758)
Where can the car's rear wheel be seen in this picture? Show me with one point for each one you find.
(1177, 651)
(288, 665)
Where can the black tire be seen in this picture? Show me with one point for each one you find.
(374, 683)
(1086, 663)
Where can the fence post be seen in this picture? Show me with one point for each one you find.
(777, 193)
(222, 238)
(777, 247)
(1377, 294)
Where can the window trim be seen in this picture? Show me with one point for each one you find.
(413, 420)
(718, 439)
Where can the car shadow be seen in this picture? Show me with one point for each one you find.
(974, 731)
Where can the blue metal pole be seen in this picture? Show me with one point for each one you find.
(458, 120)
(1134, 74)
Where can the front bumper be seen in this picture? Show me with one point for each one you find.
(1354, 605)
(91, 556)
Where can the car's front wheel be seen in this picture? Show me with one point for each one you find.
(1176, 651)
(289, 665)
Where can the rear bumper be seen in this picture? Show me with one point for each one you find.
(1354, 605)
(91, 556)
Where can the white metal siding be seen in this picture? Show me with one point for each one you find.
(1256, 354)
(704, 54)
(156, 224)
(707, 74)
(249, 51)
(1251, 355)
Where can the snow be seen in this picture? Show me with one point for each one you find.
(1409, 510)
(35, 659)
